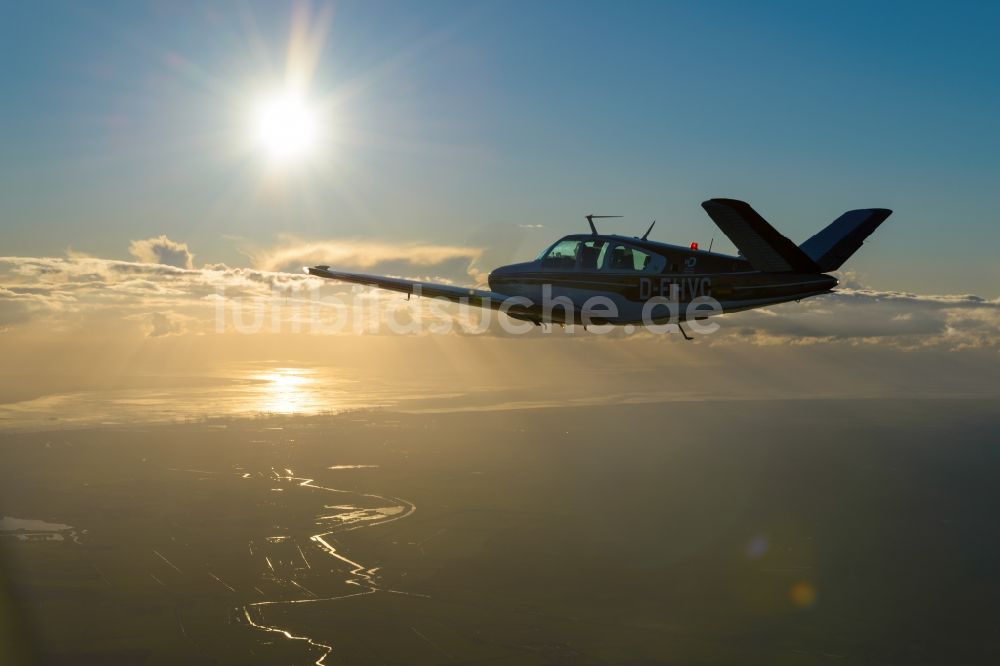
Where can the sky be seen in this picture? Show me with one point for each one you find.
(455, 122)
(454, 137)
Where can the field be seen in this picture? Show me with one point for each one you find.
(777, 532)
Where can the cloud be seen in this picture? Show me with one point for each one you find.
(161, 324)
(292, 254)
(14, 308)
(162, 250)
(867, 316)
(19, 305)
(81, 293)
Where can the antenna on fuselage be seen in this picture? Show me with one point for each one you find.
(648, 230)
(591, 218)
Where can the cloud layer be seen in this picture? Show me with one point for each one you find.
(868, 316)
(292, 254)
(163, 295)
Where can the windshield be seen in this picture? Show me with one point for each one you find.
(562, 254)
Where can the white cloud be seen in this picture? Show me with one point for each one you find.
(867, 316)
(294, 253)
(160, 324)
(157, 299)
(162, 250)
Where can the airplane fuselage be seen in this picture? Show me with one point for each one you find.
(633, 273)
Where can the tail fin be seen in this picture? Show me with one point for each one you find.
(765, 248)
(834, 245)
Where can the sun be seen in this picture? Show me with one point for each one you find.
(285, 127)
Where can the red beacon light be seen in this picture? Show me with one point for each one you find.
(694, 246)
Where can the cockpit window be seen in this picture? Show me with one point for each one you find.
(562, 254)
(592, 254)
(600, 255)
(625, 258)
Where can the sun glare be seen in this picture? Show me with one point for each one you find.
(284, 391)
(285, 127)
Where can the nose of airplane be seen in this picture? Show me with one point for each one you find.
(507, 273)
(496, 273)
(505, 270)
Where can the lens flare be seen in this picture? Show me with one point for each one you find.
(803, 594)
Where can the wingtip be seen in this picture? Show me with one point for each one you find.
(723, 200)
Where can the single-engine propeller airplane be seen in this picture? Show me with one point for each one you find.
(610, 279)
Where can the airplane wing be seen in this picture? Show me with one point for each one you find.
(519, 308)
(479, 297)
(760, 243)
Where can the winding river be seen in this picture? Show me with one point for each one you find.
(345, 518)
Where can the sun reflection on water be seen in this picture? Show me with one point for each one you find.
(235, 391)
(285, 391)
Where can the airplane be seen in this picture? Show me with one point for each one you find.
(619, 280)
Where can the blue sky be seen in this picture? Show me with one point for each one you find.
(455, 122)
